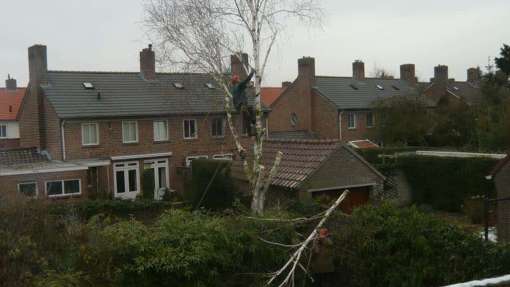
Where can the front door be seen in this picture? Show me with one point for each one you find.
(155, 178)
(126, 179)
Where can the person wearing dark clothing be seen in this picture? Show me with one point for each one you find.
(322, 265)
(241, 102)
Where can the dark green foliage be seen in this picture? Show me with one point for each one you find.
(386, 246)
(444, 183)
(503, 62)
(210, 185)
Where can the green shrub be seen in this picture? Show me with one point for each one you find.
(386, 246)
(210, 185)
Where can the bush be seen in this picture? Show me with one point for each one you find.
(210, 185)
(387, 246)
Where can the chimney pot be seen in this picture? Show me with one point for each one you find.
(306, 67)
(286, 84)
(474, 75)
(408, 73)
(38, 64)
(441, 74)
(148, 63)
(358, 70)
(10, 83)
(237, 65)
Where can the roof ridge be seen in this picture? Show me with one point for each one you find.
(304, 141)
(123, 72)
(366, 78)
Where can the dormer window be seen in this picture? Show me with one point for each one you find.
(88, 85)
(178, 85)
(210, 86)
(380, 87)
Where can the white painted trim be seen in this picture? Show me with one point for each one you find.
(223, 155)
(136, 131)
(96, 163)
(97, 134)
(126, 168)
(63, 137)
(355, 120)
(141, 156)
(30, 182)
(63, 191)
(342, 187)
(154, 131)
(48, 170)
(191, 157)
(460, 154)
(184, 129)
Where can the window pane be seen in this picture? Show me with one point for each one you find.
(129, 131)
(162, 177)
(71, 186)
(132, 180)
(54, 187)
(3, 131)
(160, 130)
(121, 187)
(192, 129)
(28, 189)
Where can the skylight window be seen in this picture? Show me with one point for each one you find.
(210, 86)
(380, 87)
(396, 88)
(88, 86)
(354, 87)
(179, 86)
(455, 88)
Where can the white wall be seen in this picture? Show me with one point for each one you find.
(12, 129)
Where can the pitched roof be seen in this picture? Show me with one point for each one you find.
(500, 165)
(469, 92)
(10, 101)
(270, 94)
(303, 135)
(18, 156)
(347, 93)
(127, 94)
(301, 159)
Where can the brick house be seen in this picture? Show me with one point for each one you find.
(10, 100)
(133, 131)
(317, 168)
(327, 107)
(501, 176)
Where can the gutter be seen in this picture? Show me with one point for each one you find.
(63, 140)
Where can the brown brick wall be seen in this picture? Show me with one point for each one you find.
(10, 183)
(51, 123)
(9, 143)
(324, 118)
(502, 181)
(29, 119)
(361, 131)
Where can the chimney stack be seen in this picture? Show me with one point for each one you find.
(236, 65)
(38, 65)
(10, 83)
(306, 68)
(441, 74)
(474, 75)
(148, 63)
(358, 70)
(286, 84)
(407, 73)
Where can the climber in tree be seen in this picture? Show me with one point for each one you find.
(241, 101)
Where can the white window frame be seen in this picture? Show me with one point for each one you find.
(224, 156)
(83, 134)
(136, 131)
(184, 129)
(125, 167)
(154, 130)
(222, 127)
(354, 121)
(373, 119)
(29, 182)
(62, 181)
(192, 157)
(3, 126)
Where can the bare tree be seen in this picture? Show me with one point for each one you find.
(382, 73)
(200, 35)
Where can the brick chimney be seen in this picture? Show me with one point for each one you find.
(10, 83)
(148, 63)
(407, 73)
(38, 65)
(441, 74)
(358, 70)
(474, 75)
(306, 68)
(236, 65)
(286, 84)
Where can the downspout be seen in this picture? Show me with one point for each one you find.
(63, 139)
(340, 125)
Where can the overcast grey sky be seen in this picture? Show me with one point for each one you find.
(107, 35)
